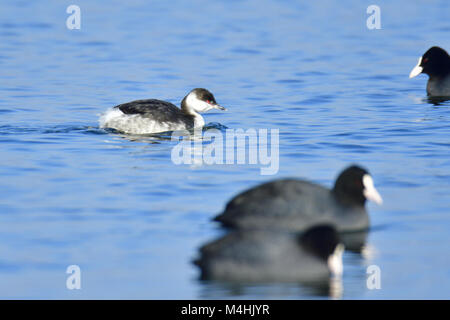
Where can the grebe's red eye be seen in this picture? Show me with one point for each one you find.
(425, 60)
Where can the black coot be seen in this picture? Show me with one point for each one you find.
(436, 64)
(266, 256)
(297, 205)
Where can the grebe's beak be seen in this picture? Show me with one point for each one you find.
(217, 106)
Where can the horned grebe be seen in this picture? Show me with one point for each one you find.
(153, 116)
(296, 205)
(436, 64)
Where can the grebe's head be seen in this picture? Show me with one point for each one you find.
(199, 100)
(435, 63)
(354, 186)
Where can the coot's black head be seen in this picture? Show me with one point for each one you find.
(199, 100)
(320, 240)
(435, 63)
(354, 186)
(323, 242)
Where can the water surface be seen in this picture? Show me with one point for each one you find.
(71, 193)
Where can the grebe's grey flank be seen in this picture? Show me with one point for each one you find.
(153, 116)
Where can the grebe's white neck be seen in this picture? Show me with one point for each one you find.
(197, 101)
(192, 105)
(198, 119)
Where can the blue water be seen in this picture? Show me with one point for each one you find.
(71, 193)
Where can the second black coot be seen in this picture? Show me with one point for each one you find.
(296, 205)
(268, 256)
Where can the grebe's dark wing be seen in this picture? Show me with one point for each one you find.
(152, 108)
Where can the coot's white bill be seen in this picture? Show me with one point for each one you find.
(335, 261)
(369, 190)
(417, 69)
